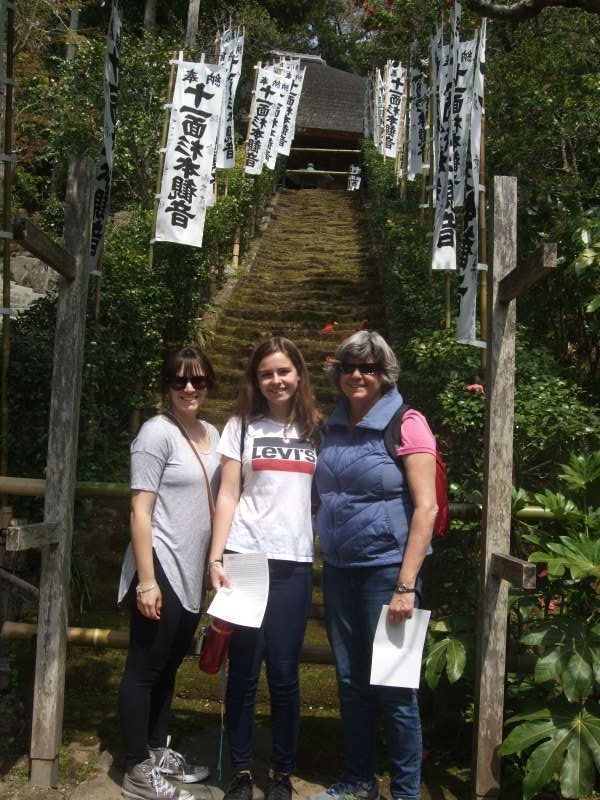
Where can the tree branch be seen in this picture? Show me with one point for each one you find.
(526, 9)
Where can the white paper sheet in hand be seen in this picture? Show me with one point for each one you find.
(245, 602)
(398, 650)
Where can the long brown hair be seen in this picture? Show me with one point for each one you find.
(251, 402)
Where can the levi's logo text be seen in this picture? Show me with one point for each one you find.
(286, 455)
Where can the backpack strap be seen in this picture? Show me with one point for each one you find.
(392, 431)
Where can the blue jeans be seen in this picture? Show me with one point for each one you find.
(353, 598)
(278, 641)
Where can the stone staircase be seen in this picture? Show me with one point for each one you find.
(313, 280)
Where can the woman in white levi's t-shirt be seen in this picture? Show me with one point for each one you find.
(264, 506)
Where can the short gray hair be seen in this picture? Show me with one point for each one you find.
(366, 345)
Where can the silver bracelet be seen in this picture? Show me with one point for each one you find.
(215, 561)
(139, 591)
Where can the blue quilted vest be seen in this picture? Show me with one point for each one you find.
(365, 505)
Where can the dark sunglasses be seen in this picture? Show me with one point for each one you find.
(181, 381)
(364, 369)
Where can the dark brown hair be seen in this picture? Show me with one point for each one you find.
(191, 360)
(251, 402)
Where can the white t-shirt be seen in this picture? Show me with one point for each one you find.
(273, 515)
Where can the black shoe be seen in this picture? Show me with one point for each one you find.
(280, 787)
(240, 788)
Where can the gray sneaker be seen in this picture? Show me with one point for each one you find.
(361, 790)
(173, 765)
(145, 782)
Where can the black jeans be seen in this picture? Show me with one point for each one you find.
(156, 649)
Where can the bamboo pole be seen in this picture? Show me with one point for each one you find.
(448, 302)
(36, 487)
(237, 238)
(7, 228)
(482, 244)
(163, 142)
(427, 173)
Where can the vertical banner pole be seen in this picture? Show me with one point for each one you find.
(427, 173)
(482, 243)
(7, 227)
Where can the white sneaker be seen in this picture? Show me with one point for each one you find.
(172, 764)
(145, 782)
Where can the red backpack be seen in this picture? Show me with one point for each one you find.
(392, 438)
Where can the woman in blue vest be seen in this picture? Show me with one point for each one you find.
(375, 522)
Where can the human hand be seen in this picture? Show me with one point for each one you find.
(218, 576)
(401, 607)
(149, 603)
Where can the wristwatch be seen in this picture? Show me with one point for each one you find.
(402, 588)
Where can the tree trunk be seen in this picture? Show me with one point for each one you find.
(150, 15)
(192, 23)
(73, 28)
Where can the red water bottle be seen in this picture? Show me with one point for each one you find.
(215, 642)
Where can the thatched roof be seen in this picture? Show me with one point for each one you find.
(331, 100)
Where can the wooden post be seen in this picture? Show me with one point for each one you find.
(48, 698)
(498, 464)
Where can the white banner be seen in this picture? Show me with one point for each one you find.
(379, 119)
(291, 112)
(444, 232)
(262, 112)
(105, 166)
(231, 54)
(417, 123)
(466, 332)
(461, 108)
(395, 82)
(283, 84)
(190, 151)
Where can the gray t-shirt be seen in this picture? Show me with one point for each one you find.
(162, 462)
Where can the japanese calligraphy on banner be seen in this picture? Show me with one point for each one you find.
(291, 111)
(395, 79)
(283, 84)
(462, 107)
(262, 113)
(105, 165)
(444, 231)
(466, 332)
(354, 178)
(417, 123)
(190, 151)
(232, 50)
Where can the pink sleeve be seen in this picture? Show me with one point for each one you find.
(416, 435)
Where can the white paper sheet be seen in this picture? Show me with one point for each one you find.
(398, 650)
(245, 602)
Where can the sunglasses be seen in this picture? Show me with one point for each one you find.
(181, 381)
(364, 369)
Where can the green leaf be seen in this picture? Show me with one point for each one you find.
(593, 305)
(456, 660)
(543, 763)
(577, 774)
(435, 662)
(525, 735)
(549, 666)
(590, 730)
(577, 678)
